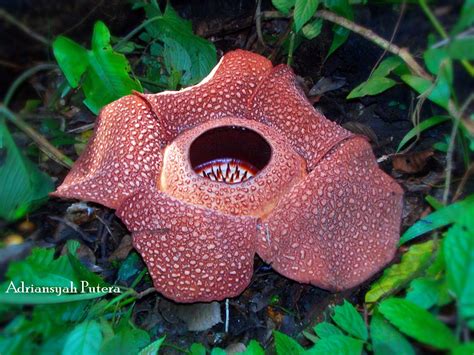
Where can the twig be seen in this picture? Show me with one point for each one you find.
(258, 22)
(9, 18)
(394, 33)
(457, 115)
(291, 48)
(226, 327)
(43, 144)
(25, 75)
(368, 34)
(439, 28)
(463, 182)
(145, 293)
(135, 31)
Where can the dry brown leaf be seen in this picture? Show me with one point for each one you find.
(411, 163)
(123, 249)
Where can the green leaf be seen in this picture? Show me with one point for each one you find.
(325, 329)
(340, 36)
(84, 339)
(254, 348)
(417, 323)
(197, 349)
(286, 345)
(304, 10)
(440, 93)
(22, 186)
(171, 26)
(464, 349)
(415, 259)
(44, 298)
(466, 19)
(386, 340)
(283, 6)
(438, 219)
(127, 341)
(153, 348)
(373, 86)
(218, 351)
(348, 319)
(458, 249)
(462, 48)
(427, 292)
(72, 59)
(336, 344)
(423, 126)
(104, 72)
(387, 66)
(312, 29)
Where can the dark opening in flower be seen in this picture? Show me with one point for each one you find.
(230, 154)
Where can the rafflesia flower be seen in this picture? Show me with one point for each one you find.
(239, 164)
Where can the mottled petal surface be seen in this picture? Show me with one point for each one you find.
(123, 155)
(193, 254)
(280, 104)
(339, 226)
(225, 92)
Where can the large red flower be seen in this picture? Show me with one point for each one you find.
(239, 164)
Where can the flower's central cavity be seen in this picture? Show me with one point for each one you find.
(229, 154)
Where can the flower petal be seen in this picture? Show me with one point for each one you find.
(193, 254)
(279, 103)
(123, 155)
(339, 226)
(224, 92)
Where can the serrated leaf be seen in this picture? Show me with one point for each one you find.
(325, 329)
(22, 186)
(283, 6)
(413, 260)
(304, 10)
(348, 319)
(84, 339)
(337, 344)
(313, 29)
(386, 340)
(458, 249)
(286, 345)
(373, 86)
(423, 126)
(438, 219)
(153, 348)
(417, 323)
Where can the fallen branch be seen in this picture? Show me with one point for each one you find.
(9, 18)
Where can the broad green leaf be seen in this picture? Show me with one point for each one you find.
(313, 29)
(104, 73)
(84, 339)
(218, 351)
(413, 260)
(348, 319)
(325, 329)
(373, 86)
(417, 323)
(283, 6)
(462, 48)
(386, 340)
(170, 25)
(176, 58)
(438, 219)
(153, 348)
(340, 36)
(458, 249)
(343, 8)
(72, 59)
(387, 66)
(254, 348)
(427, 292)
(440, 93)
(336, 344)
(22, 186)
(45, 298)
(304, 10)
(466, 19)
(464, 349)
(434, 57)
(286, 345)
(197, 349)
(127, 341)
(423, 126)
